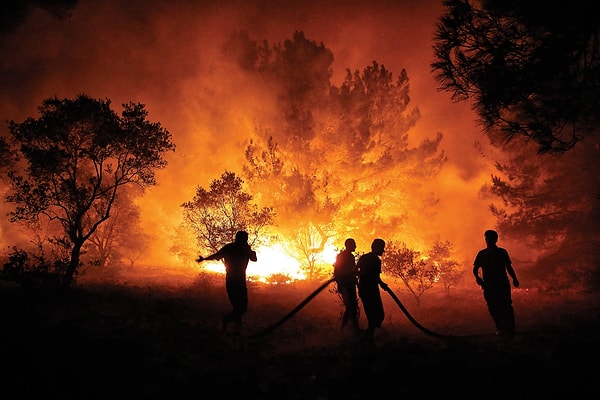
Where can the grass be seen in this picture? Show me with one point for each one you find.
(156, 338)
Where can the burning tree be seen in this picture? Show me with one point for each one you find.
(73, 161)
(309, 226)
(337, 157)
(216, 215)
(309, 242)
(450, 273)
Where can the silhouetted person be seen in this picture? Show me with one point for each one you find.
(369, 280)
(236, 256)
(345, 274)
(496, 265)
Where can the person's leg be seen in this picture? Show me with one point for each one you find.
(239, 301)
(226, 320)
(511, 319)
(238, 298)
(503, 312)
(494, 306)
(508, 319)
(237, 321)
(353, 308)
(345, 317)
(368, 337)
(348, 314)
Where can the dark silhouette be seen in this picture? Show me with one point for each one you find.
(345, 274)
(236, 256)
(495, 264)
(369, 280)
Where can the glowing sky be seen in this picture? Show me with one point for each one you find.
(165, 54)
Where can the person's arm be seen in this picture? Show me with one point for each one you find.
(253, 255)
(510, 270)
(383, 285)
(512, 274)
(216, 256)
(478, 278)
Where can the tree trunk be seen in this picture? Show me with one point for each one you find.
(73, 264)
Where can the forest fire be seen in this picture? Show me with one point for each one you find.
(316, 136)
(141, 137)
(327, 179)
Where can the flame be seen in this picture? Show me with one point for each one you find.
(329, 254)
(275, 261)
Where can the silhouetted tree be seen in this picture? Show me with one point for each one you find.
(216, 215)
(103, 241)
(75, 157)
(418, 275)
(132, 246)
(532, 68)
(552, 204)
(121, 234)
(6, 157)
(183, 244)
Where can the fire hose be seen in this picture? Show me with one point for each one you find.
(410, 317)
(276, 325)
(293, 312)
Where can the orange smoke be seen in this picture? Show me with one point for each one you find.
(169, 58)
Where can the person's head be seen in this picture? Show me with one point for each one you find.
(491, 236)
(378, 246)
(350, 244)
(241, 236)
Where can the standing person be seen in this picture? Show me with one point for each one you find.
(236, 256)
(496, 265)
(369, 280)
(345, 274)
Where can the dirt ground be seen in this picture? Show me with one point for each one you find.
(156, 340)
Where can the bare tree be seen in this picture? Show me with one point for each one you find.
(418, 275)
(450, 273)
(216, 215)
(308, 243)
(133, 245)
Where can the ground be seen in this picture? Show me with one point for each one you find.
(153, 340)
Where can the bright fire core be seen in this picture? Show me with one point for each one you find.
(273, 260)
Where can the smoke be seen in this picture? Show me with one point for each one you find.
(168, 55)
